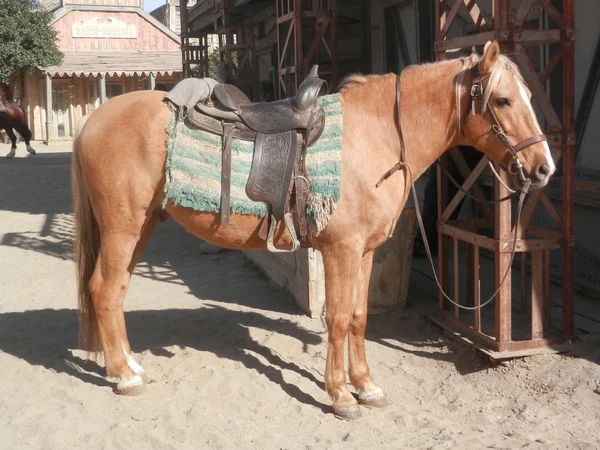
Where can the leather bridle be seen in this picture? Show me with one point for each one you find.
(515, 167)
(511, 163)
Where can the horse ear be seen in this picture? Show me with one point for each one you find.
(491, 53)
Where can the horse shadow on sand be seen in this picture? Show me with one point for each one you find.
(229, 280)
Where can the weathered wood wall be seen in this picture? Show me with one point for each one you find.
(105, 2)
(148, 36)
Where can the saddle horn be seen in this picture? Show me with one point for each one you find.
(309, 90)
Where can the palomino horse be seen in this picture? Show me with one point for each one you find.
(119, 176)
(13, 118)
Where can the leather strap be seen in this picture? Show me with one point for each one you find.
(226, 173)
(402, 163)
(529, 142)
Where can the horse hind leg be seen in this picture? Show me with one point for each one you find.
(369, 394)
(25, 133)
(13, 140)
(108, 287)
(137, 253)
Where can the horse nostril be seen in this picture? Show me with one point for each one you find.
(542, 171)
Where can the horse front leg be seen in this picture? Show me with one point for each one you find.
(341, 265)
(13, 140)
(369, 394)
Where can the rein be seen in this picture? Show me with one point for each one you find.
(515, 167)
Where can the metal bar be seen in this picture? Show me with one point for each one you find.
(439, 4)
(502, 231)
(475, 14)
(537, 89)
(468, 236)
(537, 37)
(551, 65)
(530, 345)
(440, 20)
(285, 18)
(524, 282)
(568, 169)
(450, 18)
(587, 98)
(465, 172)
(545, 233)
(465, 42)
(333, 27)
(456, 280)
(442, 261)
(298, 57)
(470, 295)
(547, 293)
(470, 331)
(476, 289)
(550, 208)
(537, 295)
(522, 12)
(553, 13)
(285, 45)
(529, 245)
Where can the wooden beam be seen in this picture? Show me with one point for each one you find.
(102, 88)
(48, 92)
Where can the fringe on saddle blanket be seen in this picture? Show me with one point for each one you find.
(194, 168)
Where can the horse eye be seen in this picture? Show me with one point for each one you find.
(502, 102)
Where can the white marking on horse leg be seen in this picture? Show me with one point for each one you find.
(12, 152)
(132, 363)
(549, 159)
(30, 149)
(132, 386)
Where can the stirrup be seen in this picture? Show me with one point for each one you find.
(289, 226)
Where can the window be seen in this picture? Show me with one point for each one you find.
(113, 89)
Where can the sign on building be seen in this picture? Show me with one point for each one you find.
(114, 28)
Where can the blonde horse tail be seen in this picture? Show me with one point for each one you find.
(86, 250)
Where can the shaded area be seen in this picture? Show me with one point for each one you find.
(46, 178)
(213, 329)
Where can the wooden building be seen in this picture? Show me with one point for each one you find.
(110, 47)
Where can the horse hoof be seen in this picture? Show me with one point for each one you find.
(11, 155)
(145, 378)
(31, 151)
(376, 399)
(348, 412)
(134, 386)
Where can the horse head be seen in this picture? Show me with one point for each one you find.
(502, 122)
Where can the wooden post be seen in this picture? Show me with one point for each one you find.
(102, 87)
(502, 231)
(48, 80)
(152, 81)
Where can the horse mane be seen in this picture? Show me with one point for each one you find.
(502, 65)
(354, 79)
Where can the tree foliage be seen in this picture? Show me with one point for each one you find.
(214, 58)
(27, 39)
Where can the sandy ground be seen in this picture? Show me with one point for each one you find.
(233, 361)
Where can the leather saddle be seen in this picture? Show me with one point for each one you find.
(281, 132)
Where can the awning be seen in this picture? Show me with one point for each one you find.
(117, 63)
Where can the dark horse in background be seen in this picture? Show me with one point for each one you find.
(12, 117)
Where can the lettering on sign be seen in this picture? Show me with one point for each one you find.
(114, 28)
